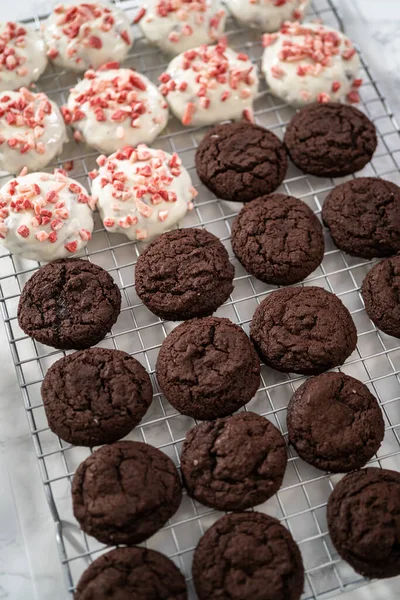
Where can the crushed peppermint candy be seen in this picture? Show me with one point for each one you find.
(12, 42)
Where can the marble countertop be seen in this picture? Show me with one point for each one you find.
(29, 563)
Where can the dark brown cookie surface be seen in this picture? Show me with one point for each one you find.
(241, 161)
(234, 463)
(69, 304)
(125, 492)
(208, 368)
(364, 521)
(278, 239)
(132, 574)
(248, 556)
(381, 294)
(183, 274)
(303, 330)
(95, 396)
(330, 140)
(363, 216)
(335, 423)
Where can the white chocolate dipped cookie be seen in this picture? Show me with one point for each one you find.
(311, 63)
(87, 35)
(44, 216)
(142, 192)
(267, 15)
(116, 108)
(210, 84)
(22, 55)
(178, 25)
(32, 131)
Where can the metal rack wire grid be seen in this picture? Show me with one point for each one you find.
(301, 502)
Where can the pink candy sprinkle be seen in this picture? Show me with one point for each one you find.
(23, 231)
(189, 113)
(71, 247)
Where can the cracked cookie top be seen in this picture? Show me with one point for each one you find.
(278, 239)
(69, 304)
(125, 492)
(95, 396)
(381, 294)
(234, 463)
(241, 161)
(303, 330)
(208, 368)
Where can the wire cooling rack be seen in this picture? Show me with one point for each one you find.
(301, 502)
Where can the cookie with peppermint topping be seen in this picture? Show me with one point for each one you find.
(267, 15)
(87, 35)
(142, 192)
(310, 63)
(209, 84)
(44, 217)
(32, 131)
(115, 108)
(22, 55)
(176, 26)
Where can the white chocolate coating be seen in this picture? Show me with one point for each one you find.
(267, 15)
(210, 84)
(87, 35)
(44, 216)
(142, 192)
(116, 108)
(22, 55)
(310, 63)
(183, 24)
(32, 131)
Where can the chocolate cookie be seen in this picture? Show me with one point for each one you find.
(335, 423)
(183, 274)
(234, 463)
(364, 521)
(363, 216)
(132, 574)
(248, 556)
(69, 304)
(241, 161)
(125, 492)
(208, 368)
(95, 396)
(303, 330)
(278, 239)
(330, 140)
(381, 294)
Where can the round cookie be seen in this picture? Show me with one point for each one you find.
(207, 368)
(132, 574)
(278, 239)
(304, 330)
(181, 25)
(311, 63)
(233, 463)
(115, 108)
(241, 161)
(267, 15)
(364, 521)
(69, 304)
(209, 84)
(335, 423)
(250, 556)
(125, 492)
(363, 216)
(32, 131)
(183, 274)
(45, 216)
(330, 140)
(22, 55)
(380, 292)
(87, 35)
(95, 396)
(142, 192)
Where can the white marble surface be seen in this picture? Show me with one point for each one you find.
(29, 564)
